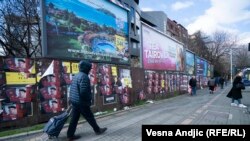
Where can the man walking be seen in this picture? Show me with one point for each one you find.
(192, 83)
(221, 81)
(80, 97)
(211, 85)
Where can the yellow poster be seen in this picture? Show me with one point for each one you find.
(162, 83)
(119, 42)
(32, 70)
(127, 82)
(66, 67)
(19, 78)
(38, 77)
(74, 67)
(114, 71)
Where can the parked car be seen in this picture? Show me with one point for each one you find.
(246, 82)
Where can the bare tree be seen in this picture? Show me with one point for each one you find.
(220, 45)
(197, 44)
(241, 57)
(20, 32)
(214, 48)
(219, 48)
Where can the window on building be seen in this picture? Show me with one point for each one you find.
(132, 15)
(137, 19)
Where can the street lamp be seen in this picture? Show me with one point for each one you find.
(231, 60)
(231, 63)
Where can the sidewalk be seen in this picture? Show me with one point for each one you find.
(125, 125)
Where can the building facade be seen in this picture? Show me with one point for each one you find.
(134, 21)
(157, 19)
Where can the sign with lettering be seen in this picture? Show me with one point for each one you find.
(19, 78)
(161, 52)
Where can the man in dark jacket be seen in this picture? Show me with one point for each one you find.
(80, 97)
(192, 83)
(211, 85)
(221, 81)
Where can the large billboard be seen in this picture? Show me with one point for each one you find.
(83, 29)
(160, 52)
(205, 68)
(208, 70)
(201, 67)
(190, 63)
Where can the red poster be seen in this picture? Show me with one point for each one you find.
(12, 111)
(51, 92)
(52, 106)
(20, 65)
(20, 94)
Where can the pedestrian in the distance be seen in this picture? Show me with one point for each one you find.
(221, 81)
(211, 85)
(80, 97)
(192, 83)
(226, 80)
(235, 92)
(216, 83)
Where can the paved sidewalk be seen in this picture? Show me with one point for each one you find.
(125, 125)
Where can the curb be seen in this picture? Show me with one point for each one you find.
(67, 124)
(97, 117)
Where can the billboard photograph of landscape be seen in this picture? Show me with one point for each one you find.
(84, 29)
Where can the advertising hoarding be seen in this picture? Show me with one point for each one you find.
(190, 63)
(83, 29)
(208, 70)
(200, 66)
(205, 69)
(160, 52)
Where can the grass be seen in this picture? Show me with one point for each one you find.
(40, 126)
(21, 130)
(36, 127)
(138, 103)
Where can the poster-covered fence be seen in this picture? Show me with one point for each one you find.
(33, 90)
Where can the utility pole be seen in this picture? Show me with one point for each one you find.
(231, 63)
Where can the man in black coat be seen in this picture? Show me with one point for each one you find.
(221, 81)
(80, 97)
(192, 83)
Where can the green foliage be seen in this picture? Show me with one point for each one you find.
(22, 130)
(176, 93)
(139, 102)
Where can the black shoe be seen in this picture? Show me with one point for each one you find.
(101, 130)
(73, 138)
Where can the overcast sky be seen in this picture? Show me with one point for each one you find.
(232, 16)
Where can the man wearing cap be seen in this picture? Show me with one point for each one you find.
(23, 97)
(54, 106)
(12, 114)
(21, 65)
